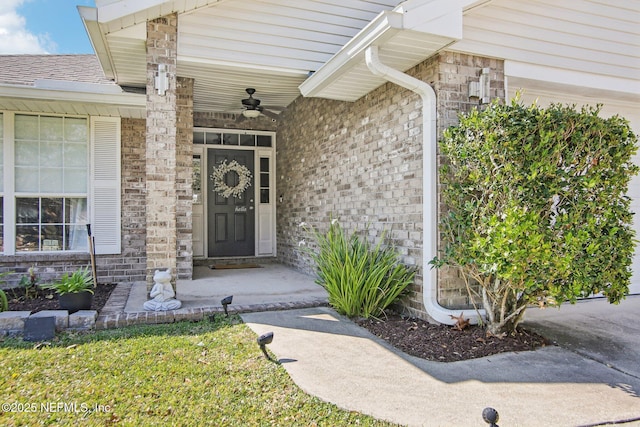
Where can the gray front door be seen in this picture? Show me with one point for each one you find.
(231, 219)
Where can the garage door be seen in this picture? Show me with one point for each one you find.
(610, 107)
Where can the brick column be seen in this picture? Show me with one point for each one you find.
(184, 178)
(161, 148)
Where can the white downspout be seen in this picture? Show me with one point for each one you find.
(429, 185)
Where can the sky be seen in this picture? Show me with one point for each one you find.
(43, 26)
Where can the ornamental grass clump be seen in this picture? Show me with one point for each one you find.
(362, 280)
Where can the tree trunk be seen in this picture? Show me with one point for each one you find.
(504, 311)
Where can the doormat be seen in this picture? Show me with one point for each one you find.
(233, 266)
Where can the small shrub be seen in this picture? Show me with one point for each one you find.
(80, 281)
(29, 284)
(362, 280)
(4, 302)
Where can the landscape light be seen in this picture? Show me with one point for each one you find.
(225, 302)
(263, 340)
(490, 416)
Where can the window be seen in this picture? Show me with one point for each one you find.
(244, 138)
(50, 154)
(1, 224)
(1, 182)
(51, 177)
(197, 179)
(51, 224)
(264, 180)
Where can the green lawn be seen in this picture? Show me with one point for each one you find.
(191, 374)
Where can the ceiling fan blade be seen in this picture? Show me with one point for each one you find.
(270, 114)
(240, 118)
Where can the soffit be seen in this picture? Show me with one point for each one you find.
(227, 46)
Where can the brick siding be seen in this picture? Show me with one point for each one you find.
(361, 163)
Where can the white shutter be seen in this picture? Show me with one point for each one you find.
(105, 184)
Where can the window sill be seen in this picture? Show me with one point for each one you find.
(45, 256)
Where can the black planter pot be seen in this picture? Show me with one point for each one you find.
(75, 302)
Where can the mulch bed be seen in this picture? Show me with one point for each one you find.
(48, 300)
(442, 343)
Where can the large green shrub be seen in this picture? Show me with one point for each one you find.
(362, 280)
(537, 206)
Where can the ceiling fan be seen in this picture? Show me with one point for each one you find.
(252, 107)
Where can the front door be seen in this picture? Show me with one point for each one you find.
(231, 213)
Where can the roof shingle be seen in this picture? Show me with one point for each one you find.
(26, 69)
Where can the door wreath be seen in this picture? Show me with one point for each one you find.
(219, 174)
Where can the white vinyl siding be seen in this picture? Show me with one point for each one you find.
(105, 161)
(579, 42)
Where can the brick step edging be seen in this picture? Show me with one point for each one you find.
(117, 320)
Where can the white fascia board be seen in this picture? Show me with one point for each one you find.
(89, 16)
(119, 99)
(439, 17)
(69, 86)
(571, 78)
(383, 26)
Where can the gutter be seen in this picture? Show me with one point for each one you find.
(85, 93)
(429, 185)
(89, 16)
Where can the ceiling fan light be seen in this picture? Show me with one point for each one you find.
(250, 114)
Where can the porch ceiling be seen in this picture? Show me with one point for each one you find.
(229, 45)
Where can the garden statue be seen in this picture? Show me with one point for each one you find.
(162, 294)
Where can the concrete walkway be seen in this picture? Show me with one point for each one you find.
(589, 379)
(269, 284)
